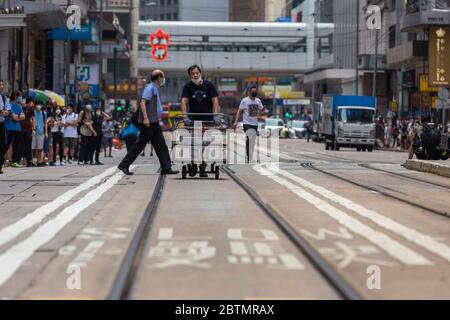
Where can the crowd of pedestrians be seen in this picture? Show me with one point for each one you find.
(36, 134)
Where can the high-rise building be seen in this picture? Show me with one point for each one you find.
(184, 10)
(258, 10)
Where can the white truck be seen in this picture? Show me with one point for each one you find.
(348, 121)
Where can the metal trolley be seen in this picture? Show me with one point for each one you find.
(190, 167)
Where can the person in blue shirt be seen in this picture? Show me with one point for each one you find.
(149, 113)
(14, 129)
(4, 112)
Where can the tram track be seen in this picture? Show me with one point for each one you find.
(379, 189)
(124, 280)
(344, 289)
(405, 177)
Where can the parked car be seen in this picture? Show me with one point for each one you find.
(298, 127)
(274, 126)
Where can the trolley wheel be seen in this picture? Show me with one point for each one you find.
(370, 149)
(212, 167)
(217, 172)
(193, 171)
(327, 146)
(183, 172)
(363, 149)
(358, 149)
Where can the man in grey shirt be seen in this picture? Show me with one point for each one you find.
(149, 112)
(4, 112)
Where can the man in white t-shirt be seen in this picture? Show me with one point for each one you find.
(70, 133)
(251, 107)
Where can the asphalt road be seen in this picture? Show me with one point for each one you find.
(384, 230)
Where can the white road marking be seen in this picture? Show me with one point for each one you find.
(245, 260)
(391, 246)
(12, 259)
(420, 239)
(36, 217)
(238, 248)
(291, 262)
(322, 234)
(263, 249)
(88, 253)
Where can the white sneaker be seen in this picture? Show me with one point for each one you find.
(69, 161)
(62, 164)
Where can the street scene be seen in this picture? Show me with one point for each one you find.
(224, 150)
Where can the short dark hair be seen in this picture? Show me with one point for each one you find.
(253, 86)
(192, 68)
(1, 80)
(425, 118)
(156, 74)
(14, 95)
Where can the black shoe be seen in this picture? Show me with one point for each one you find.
(169, 171)
(98, 163)
(52, 164)
(126, 171)
(1, 171)
(30, 164)
(203, 175)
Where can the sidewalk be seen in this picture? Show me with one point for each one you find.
(441, 168)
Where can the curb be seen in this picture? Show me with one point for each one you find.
(429, 167)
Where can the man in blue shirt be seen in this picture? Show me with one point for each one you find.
(14, 129)
(149, 114)
(4, 112)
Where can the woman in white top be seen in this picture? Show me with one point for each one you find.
(56, 123)
(251, 107)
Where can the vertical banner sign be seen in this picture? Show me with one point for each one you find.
(439, 57)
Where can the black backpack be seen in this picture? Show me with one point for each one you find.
(431, 136)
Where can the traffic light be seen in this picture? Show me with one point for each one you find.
(119, 107)
(288, 115)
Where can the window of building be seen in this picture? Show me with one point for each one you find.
(162, 2)
(175, 16)
(161, 17)
(169, 16)
(392, 43)
(168, 2)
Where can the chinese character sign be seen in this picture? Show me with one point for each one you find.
(159, 42)
(439, 64)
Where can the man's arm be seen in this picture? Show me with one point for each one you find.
(184, 102)
(215, 101)
(238, 115)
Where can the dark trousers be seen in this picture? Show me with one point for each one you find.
(155, 135)
(58, 141)
(27, 138)
(130, 143)
(2, 144)
(247, 140)
(86, 148)
(15, 138)
(97, 147)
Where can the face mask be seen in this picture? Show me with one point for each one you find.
(38, 107)
(162, 81)
(88, 107)
(254, 94)
(98, 113)
(197, 81)
(58, 111)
